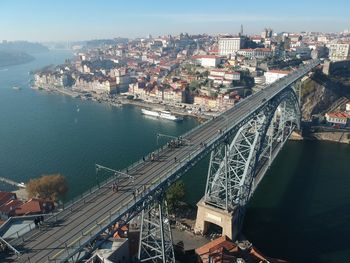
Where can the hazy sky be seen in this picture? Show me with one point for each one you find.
(54, 20)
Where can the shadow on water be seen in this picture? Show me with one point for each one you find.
(301, 210)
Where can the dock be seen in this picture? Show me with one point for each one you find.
(13, 183)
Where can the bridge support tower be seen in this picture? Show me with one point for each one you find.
(155, 235)
(208, 214)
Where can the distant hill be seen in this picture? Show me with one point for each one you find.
(22, 46)
(105, 42)
(9, 58)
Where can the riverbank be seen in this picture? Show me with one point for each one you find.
(340, 137)
(332, 136)
(120, 100)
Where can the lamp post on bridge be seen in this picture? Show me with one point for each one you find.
(116, 173)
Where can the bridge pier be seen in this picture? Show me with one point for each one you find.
(208, 214)
(155, 236)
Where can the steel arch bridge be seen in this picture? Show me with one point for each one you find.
(242, 141)
(237, 166)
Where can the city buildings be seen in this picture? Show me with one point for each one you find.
(347, 107)
(259, 53)
(340, 119)
(230, 45)
(10, 206)
(339, 51)
(223, 249)
(208, 61)
(272, 75)
(223, 76)
(320, 51)
(266, 33)
(201, 70)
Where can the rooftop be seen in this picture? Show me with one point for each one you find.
(339, 115)
(278, 71)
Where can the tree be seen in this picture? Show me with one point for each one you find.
(174, 194)
(194, 85)
(50, 187)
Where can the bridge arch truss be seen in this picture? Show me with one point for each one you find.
(238, 164)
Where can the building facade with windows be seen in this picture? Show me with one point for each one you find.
(229, 45)
(272, 75)
(339, 51)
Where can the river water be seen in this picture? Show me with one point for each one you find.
(300, 212)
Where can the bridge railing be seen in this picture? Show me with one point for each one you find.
(23, 230)
(130, 202)
(66, 209)
(126, 206)
(89, 233)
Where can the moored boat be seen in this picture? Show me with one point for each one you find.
(150, 113)
(167, 115)
(161, 114)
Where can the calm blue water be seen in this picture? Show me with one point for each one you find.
(300, 212)
(42, 133)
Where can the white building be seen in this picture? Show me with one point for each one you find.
(113, 250)
(233, 76)
(98, 85)
(259, 80)
(347, 107)
(229, 45)
(339, 51)
(255, 53)
(337, 118)
(224, 77)
(322, 39)
(208, 61)
(273, 75)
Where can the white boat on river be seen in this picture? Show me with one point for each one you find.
(161, 114)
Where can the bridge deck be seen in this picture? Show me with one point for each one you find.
(50, 242)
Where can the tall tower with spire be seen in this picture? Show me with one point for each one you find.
(241, 33)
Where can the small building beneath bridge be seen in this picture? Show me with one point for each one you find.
(340, 119)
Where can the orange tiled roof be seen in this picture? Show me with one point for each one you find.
(340, 115)
(207, 247)
(35, 206)
(279, 71)
(6, 196)
(10, 206)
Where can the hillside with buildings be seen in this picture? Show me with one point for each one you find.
(326, 103)
(322, 93)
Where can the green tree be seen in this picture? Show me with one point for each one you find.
(194, 85)
(175, 194)
(50, 187)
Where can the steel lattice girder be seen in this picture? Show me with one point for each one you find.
(226, 180)
(232, 168)
(155, 235)
(153, 195)
(286, 116)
